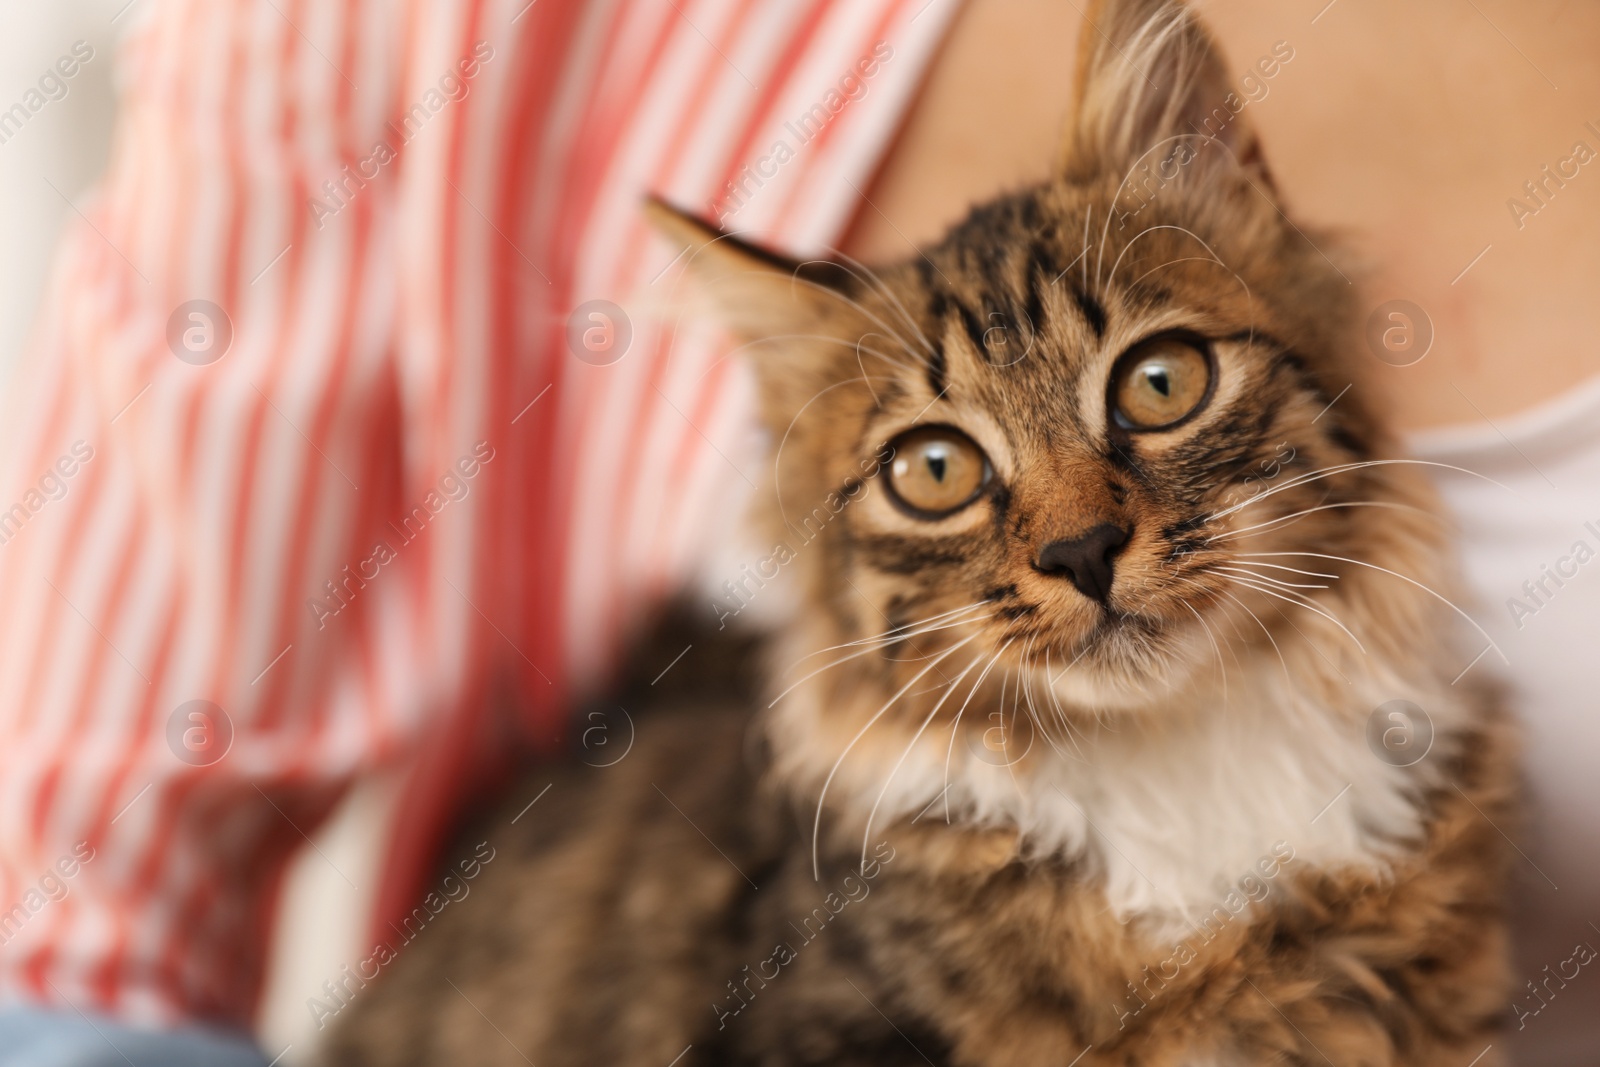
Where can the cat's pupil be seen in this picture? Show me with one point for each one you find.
(1159, 380)
(936, 466)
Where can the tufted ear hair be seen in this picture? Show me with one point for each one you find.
(807, 315)
(1153, 90)
(755, 292)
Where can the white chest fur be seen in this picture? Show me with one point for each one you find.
(1174, 810)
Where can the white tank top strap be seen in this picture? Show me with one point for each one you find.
(1559, 426)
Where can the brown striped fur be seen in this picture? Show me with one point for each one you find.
(985, 923)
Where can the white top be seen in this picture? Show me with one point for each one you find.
(1540, 525)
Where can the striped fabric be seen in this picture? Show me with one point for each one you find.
(398, 499)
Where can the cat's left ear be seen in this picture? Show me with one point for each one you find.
(1153, 88)
(757, 293)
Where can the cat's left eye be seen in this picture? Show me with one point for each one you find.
(936, 471)
(1159, 383)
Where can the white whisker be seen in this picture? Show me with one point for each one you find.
(1221, 667)
(1058, 713)
(1278, 582)
(1305, 602)
(1280, 567)
(943, 621)
(816, 826)
(783, 442)
(1105, 231)
(1342, 468)
(883, 290)
(866, 834)
(896, 633)
(1405, 578)
(1230, 534)
(830, 293)
(956, 725)
(1285, 663)
(868, 651)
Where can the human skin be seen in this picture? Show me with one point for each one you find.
(1403, 128)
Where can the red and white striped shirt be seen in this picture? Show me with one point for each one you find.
(378, 494)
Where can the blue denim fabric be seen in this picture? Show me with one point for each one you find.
(49, 1037)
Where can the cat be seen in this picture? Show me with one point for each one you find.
(1125, 719)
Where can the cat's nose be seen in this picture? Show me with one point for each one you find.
(1087, 559)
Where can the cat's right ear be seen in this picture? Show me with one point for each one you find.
(758, 293)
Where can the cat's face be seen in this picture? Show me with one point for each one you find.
(1079, 439)
(1092, 432)
(1081, 447)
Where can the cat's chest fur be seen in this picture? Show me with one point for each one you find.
(1157, 890)
(1166, 818)
(670, 901)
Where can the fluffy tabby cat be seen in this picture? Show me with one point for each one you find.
(1069, 756)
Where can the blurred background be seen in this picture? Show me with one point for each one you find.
(49, 164)
(55, 157)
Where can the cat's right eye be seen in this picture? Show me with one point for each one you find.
(936, 471)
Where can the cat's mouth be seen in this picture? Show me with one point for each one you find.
(1114, 620)
(1118, 632)
(1112, 662)
(1101, 628)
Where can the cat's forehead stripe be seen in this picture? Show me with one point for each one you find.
(1092, 311)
